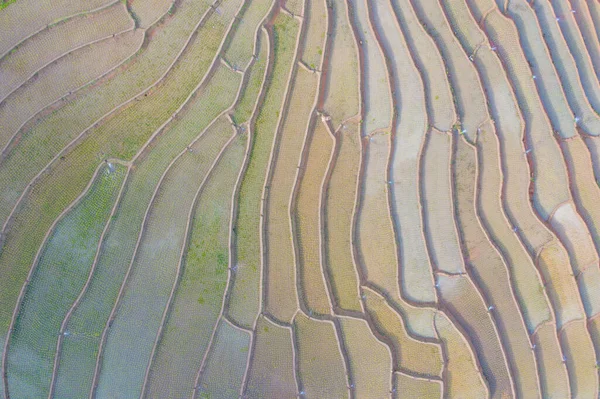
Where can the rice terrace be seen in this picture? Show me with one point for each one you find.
(299, 199)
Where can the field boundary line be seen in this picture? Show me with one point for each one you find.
(469, 268)
(116, 108)
(373, 325)
(230, 271)
(2, 60)
(466, 340)
(266, 28)
(184, 246)
(83, 291)
(63, 99)
(501, 156)
(32, 270)
(300, 171)
(376, 28)
(260, 30)
(134, 255)
(412, 50)
(191, 214)
(507, 269)
(282, 117)
(60, 57)
(59, 21)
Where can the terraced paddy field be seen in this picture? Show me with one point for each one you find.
(299, 199)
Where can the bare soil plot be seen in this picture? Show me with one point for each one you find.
(593, 144)
(342, 91)
(575, 36)
(155, 269)
(594, 330)
(464, 26)
(575, 85)
(409, 104)
(412, 387)
(466, 305)
(515, 169)
(376, 87)
(572, 231)
(38, 145)
(589, 288)
(554, 379)
(417, 357)
(198, 298)
(428, 60)
(491, 275)
(370, 360)
(226, 364)
(296, 7)
(466, 89)
(316, 31)
(245, 295)
(462, 374)
(587, 16)
(240, 50)
(78, 357)
(60, 274)
(321, 367)
(308, 220)
(58, 41)
(583, 185)
(547, 82)
(580, 359)
(282, 298)
(438, 215)
(255, 78)
(67, 74)
(374, 225)
(550, 179)
(147, 12)
(339, 210)
(553, 263)
(524, 277)
(270, 375)
(25, 18)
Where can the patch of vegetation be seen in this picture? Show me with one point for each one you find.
(6, 3)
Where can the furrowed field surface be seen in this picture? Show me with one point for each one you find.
(149, 284)
(491, 275)
(76, 369)
(201, 283)
(320, 364)
(60, 273)
(28, 17)
(77, 117)
(61, 78)
(309, 221)
(409, 105)
(299, 199)
(282, 300)
(245, 297)
(80, 162)
(376, 89)
(58, 41)
(223, 374)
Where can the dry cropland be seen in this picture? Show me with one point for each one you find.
(299, 199)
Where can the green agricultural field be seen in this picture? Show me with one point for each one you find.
(290, 199)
